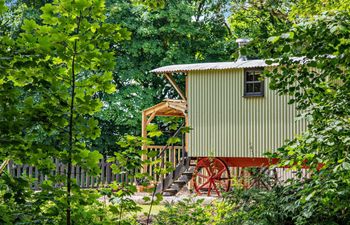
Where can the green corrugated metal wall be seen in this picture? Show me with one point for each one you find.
(226, 124)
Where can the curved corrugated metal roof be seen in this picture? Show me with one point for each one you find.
(212, 66)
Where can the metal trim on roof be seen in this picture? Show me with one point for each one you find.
(212, 66)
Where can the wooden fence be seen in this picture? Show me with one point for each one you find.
(83, 179)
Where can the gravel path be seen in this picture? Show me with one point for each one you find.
(138, 198)
(182, 195)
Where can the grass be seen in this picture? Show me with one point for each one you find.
(155, 209)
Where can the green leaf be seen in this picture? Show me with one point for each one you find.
(115, 169)
(152, 154)
(3, 8)
(94, 27)
(289, 35)
(152, 127)
(173, 126)
(346, 165)
(84, 153)
(310, 196)
(173, 140)
(155, 133)
(146, 199)
(73, 38)
(82, 4)
(29, 25)
(273, 39)
(159, 198)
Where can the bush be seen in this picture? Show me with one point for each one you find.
(262, 207)
(280, 205)
(19, 204)
(189, 212)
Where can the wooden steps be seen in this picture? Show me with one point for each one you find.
(177, 179)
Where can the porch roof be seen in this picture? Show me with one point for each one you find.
(168, 107)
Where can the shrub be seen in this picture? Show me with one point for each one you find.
(189, 212)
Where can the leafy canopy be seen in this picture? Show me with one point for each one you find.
(51, 78)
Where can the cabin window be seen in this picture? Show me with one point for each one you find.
(253, 83)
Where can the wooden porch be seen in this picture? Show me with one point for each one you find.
(169, 155)
(168, 107)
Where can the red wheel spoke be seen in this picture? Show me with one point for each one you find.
(209, 189)
(211, 174)
(202, 185)
(220, 172)
(216, 190)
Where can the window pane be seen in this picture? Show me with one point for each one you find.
(250, 76)
(257, 87)
(250, 88)
(257, 76)
(253, 83)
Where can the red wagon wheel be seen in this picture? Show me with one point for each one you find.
(211, 175)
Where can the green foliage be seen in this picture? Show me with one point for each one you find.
(58, 63)
(183, 212)
(161, 36)
(20, 205)
(54, 70)
(188, 212)
(311, 8)
(319, 85)
(41, 79)
(258, 21)
(256, 206)
(151, 4)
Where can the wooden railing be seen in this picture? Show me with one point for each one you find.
(167, 155)
(83, 178)
(172, 154)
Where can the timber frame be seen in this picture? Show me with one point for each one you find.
(169, 107)
(176, 87)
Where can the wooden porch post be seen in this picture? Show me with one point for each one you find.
(144, 135)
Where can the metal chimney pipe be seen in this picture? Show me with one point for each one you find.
(241, 42)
